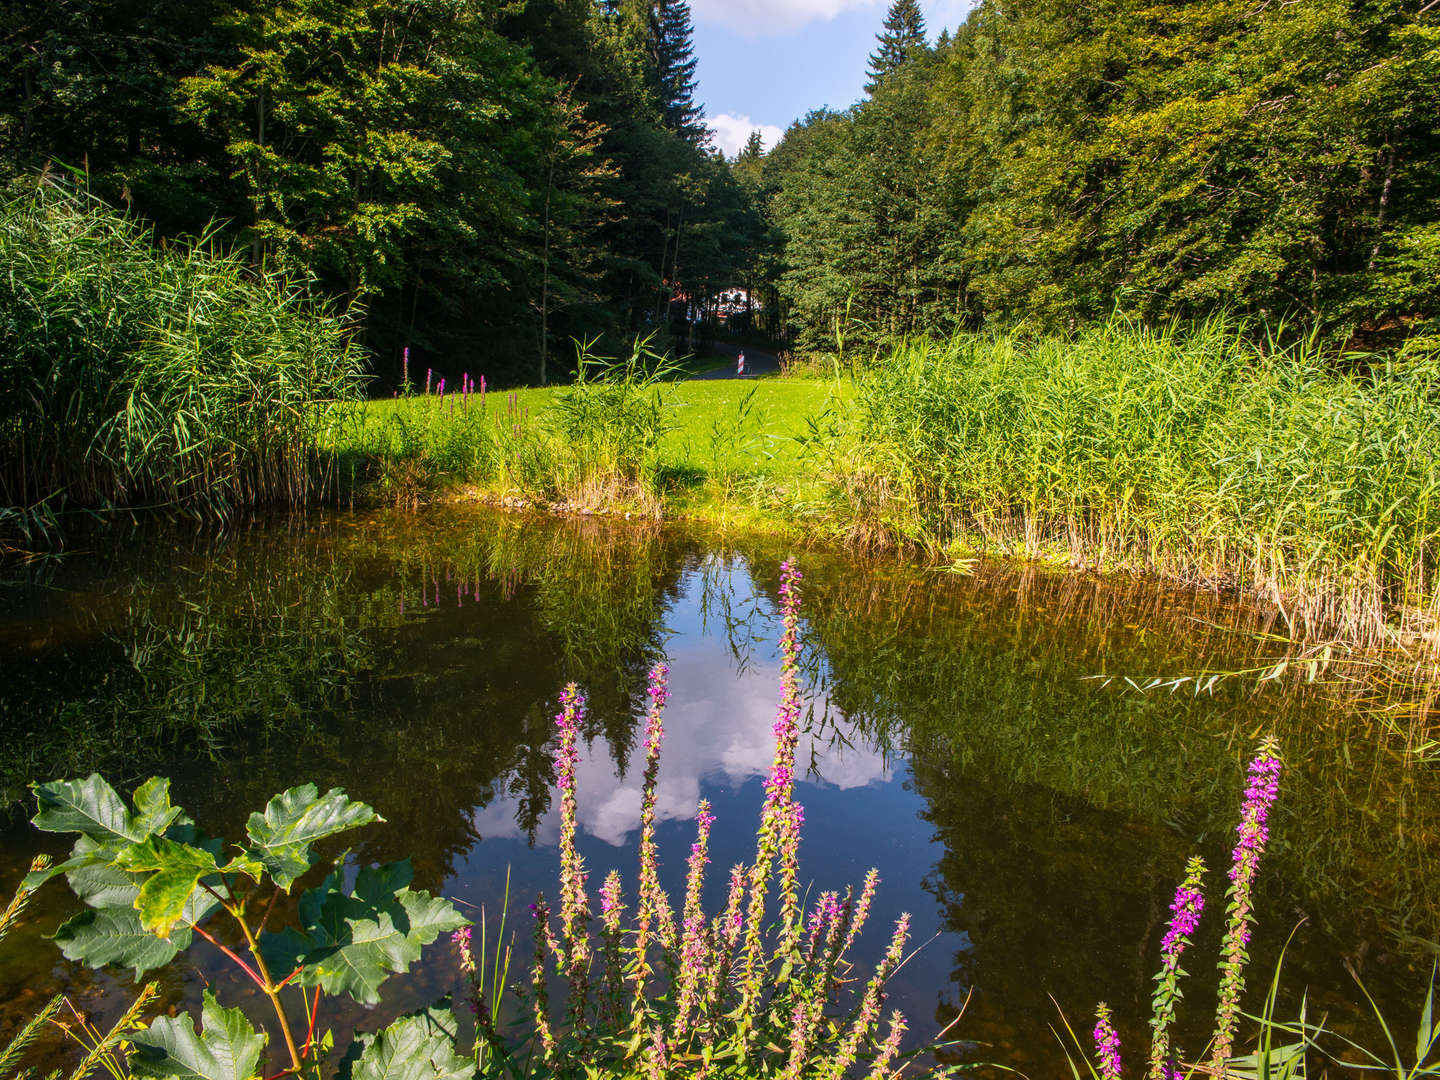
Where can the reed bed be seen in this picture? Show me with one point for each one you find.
(134, 374)
(1199, 452)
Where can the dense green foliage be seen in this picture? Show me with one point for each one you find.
(130, 375)
(1195, 454)
(1047, 163)
(151, 881)
(474, 179)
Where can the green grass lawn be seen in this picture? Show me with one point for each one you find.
(730, 448)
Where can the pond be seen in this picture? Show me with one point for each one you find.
(969, 735)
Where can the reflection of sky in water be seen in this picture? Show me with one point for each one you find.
(717, 733)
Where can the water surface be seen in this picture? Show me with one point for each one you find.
(1033, 819)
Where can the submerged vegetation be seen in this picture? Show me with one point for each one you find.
(136, 375)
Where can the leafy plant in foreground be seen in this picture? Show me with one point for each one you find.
(151, 881)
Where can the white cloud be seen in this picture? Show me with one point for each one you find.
(763, 18)
(723, 730)
(731, 132)
(767, 18)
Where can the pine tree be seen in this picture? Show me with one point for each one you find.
(674, 54)
(754, 148)
(902, 40)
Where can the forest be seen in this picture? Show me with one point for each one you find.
(484, 182)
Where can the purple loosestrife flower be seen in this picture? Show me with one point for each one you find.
(428, 373)
(1261, 789)
(1185, 910)
(539, 988)
(800, 1024)
(405, 366)
(1107, 1044)
(862, 909)
(612, 907)
(779, 823)
(695, 947)
(657, 1064)
(574, 902)
(888, 1049)
(461, 938)
(871, 1003)
(653, 906)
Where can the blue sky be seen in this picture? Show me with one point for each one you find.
(764, 63)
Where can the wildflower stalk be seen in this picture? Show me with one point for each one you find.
(654, 908)
(871, 1004)
(1107, 1044)
(694, 950)
(539, 992)
(574, 901)
(1185, 909)
(1262, 787)
(888, 1049)
(780, 819)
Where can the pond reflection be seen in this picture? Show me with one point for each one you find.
(1033, 819)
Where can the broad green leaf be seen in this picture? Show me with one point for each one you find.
(88, 806)
(85, 855)
(154, 812)
(228, 1049)
(174, 871)
(351, 943)
(295, 819)
(113, 935)
(97, 879)
(420, 1046)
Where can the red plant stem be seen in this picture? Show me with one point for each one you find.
(268, 909)
(314, 1012)
(232, 954)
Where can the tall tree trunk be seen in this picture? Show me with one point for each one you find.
(1384, 203)
(545, 280)
(257, 251)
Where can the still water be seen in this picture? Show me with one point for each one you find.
(961, 738)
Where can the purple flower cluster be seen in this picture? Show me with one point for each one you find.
(1107, 1044)
(1263, 784)
(1185, 912)
(461, 938)
(574, 901)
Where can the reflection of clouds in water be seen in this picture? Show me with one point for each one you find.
(717, 729)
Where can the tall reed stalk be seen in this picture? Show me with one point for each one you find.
(132, 374)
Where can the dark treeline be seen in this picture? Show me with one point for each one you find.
(1050, 161)
(478, 180)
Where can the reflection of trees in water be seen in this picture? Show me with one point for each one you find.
(307, 656)
(983, 684)
(295, 653)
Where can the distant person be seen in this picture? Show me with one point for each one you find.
(740, 363)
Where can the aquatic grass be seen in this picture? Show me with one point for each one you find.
(1203, 452)
(739, 993)
(132, 374)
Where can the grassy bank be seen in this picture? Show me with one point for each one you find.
(1202, 454)
(728, 451)
(138, 375)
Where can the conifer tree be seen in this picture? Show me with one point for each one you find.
(674, 54)
(902, 40)
(754, 148)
